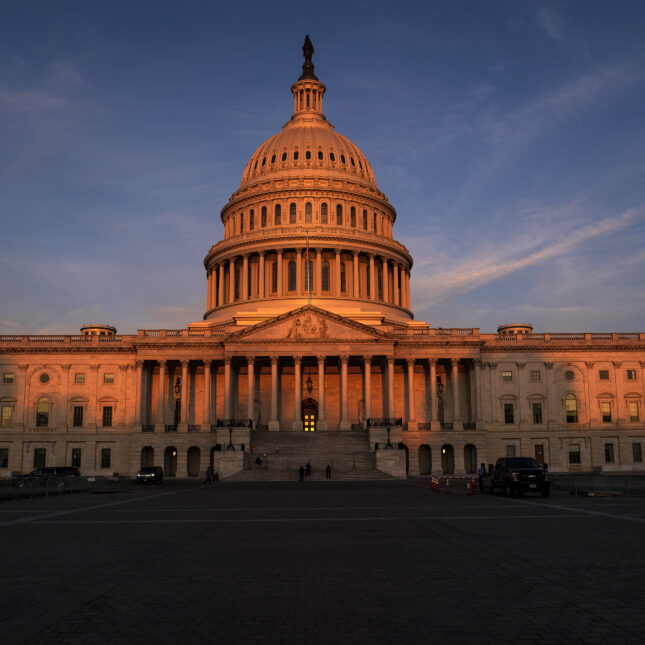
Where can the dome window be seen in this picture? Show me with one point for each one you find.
(352, 216)
(308, 154)
(255, 165)
(272, 158)
(332, 157)
(342, 159)
(308, 211)
(251, 220)
(295, 156)
(364, 220)
(343, 278)
(291, 283)
(351, 159)
(241, 222)
(360, 165)
(264, 161)
(278, 215)
(320, 155)
(339, 215)
(324, 211)
(324, 277)
(274, 278)
(264, 216)
(284, 156)
(374, 223)
(292, 213)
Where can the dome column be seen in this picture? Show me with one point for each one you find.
(385, 289)
(231, 280)
(280, 289)
(221, 283)
(395, 284)
(355, 289)
(337, 280)
(372, 278)
(209, 286)
(261, 276)
(244, 292)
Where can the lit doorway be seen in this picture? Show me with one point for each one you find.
(309, 415)
(170, 461)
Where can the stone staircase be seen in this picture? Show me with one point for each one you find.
(348, 454)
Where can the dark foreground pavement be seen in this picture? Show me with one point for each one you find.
(381, 562)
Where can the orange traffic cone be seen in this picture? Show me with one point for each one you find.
(471, 487)
(447, 487)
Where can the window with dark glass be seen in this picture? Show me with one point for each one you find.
(603, 375)
(352, 216)
(6, 416)
(379, 283)
(295, 156)
(509, 417)
(364, 220)
(251, 220)
(605, 409)
(332, 157)
(339, 215)
(343, 277)
(324, 210)
(535, 376)
(510, 450)
(4, 457)
(633, 411)
(42, 412)
(278, 215)
(284, 156)
(106, 457)
(630, 375)
(107, 416)
(574, 453)
(374, 222)
(237, 283)
(291, 271)
(507, 375)
(274, 277)
(40, 457)
(249, 281)
(342, 158)
(264, 216)
(351, 159)
(292, 213)
(368, 285)
(76, 458)
(308, 154)
(320, 155)
(571, 408)
(108, 377)
(637, 453)
(255, 165)
(264, 160)
(78, 416)
(308, 212)
(7, 378)
(79, 377)
(537, 413)
(272, 158)
(325, 276)
(609, 453)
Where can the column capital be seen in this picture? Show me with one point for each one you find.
(274, 359)
(548, 366)
(433, 361)
(367, 358)
(66, 367)
(477, 362)
(95, 366)
(250, 360)
(493, 366)
(227, 360)
(207, 362)
(184, 362)
(344, 358)
(520, 365)
(409, 361)
(161, 362)
(389, 359)
(23, 366)
(123, 367)
(297, 358)
(279, 252)
(321, 358)
(262, 253)
(299, 250)
(319, 249)
(246, 255)
(589, 363)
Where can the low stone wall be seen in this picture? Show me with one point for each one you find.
(391, 462)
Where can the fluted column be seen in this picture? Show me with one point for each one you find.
(344, 415)
(367, 377)
(434, 403)
(261, 276)
(221, 283)
(206, 416)
(412, 421)
(390, 387)
(395, 284)
(250, 387)
(161, 398)
(185, 393)
(244, 291)
(231, 280)
(456, 413)
(355, 282)
(297, 392)
(385, 289)
(299, 288)
(407, 288)
(280, 286)
(274, 423)
(209, 286)
(372, 278)
(139, 388)
(322, 420)
(227, 388)
(337, 280)
(318, 280)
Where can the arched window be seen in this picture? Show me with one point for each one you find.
(352, 216)
(325, 276)
(42, 412)
(343, 278)
(374, 223)
(308, 212)
(324, 213)
(339, 215)
(264, 216)
(251, 220)
(571, 407)
(309, 276)
(292, 213)
(278, 215)
(364, 220)
(274, 278)
(292, 275)
(241, 222)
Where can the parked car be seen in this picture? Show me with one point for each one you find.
(516, 476)
(54, 471)
(150, 475)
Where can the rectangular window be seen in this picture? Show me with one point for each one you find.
(535, 376)
(106, 457)
(574, 453)
(609, 453)
(510, 451)
(78, 416)
(79, 377)
(507, 375)
(76, 457)
(7, 378)
(508, 413)
(630, 374)
(107, 416)
(537, 413)
(603, 375)
(6, 416)
(605, 409)
(108, 377)
(4, 457)
(637, 453)
(40, 457)
(633, 411)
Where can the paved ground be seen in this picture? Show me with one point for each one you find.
(377, 562)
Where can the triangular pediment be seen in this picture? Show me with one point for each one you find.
(308, 324)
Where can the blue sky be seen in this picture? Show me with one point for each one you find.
(508, 135)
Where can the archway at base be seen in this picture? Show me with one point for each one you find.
(309, 411)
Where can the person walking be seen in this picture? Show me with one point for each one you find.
(481, 471)
(328, 472)
(301, 473)
(208, 481)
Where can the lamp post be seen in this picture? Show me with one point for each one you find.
(309, 384)
(230, 435)
(388, 424)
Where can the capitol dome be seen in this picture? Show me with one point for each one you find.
(308, 224)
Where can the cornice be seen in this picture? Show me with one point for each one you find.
(533, 349)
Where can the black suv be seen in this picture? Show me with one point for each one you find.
(519, 475)
(150, 475)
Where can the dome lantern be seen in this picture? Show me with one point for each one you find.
(307, 90)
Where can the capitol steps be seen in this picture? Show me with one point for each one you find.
(282, 453)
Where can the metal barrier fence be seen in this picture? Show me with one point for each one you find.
(45, 486)
(590, 484)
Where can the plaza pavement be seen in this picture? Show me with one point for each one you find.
(321, 562)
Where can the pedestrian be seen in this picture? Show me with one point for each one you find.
(328, 472)
(216, 477)
(308, 469)
(208, 481)
(481, 471)
(301, 473)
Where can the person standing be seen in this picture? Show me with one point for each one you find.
(301, 473)
(481, 471)
(208, 481)
(328, 472)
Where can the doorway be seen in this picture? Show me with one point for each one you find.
(170, 461)
(147, 456)
(193, 460)
(309, 415)
(539, 453)
(447, 459)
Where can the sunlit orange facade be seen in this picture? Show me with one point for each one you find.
(308, 350)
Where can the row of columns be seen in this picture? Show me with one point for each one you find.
(222, 275)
